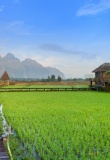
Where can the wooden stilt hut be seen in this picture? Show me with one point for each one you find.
(101, 78)
(5, 79)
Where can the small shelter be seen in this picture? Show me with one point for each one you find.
(101, 78)
(5, 79)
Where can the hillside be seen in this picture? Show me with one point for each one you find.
(26, 69)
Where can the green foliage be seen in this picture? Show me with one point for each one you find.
(59, 79)
(108, 72)
(53, 78)
(61, 125)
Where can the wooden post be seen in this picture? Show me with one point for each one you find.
(91, 83)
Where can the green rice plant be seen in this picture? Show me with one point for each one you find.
(60, 125)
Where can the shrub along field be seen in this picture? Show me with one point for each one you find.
(59, 125)
(48, 86)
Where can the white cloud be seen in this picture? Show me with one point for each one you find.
(94, 8)
(54, 48)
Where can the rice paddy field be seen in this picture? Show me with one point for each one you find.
(58, 125)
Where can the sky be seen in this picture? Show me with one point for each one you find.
(70, 35)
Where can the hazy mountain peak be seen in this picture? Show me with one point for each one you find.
(9, 56)
(31, 61)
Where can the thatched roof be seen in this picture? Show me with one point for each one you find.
(5, 76)
(104, 67)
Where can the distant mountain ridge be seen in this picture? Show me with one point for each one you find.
(26, 69)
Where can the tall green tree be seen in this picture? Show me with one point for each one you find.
(59, 79)
(53, 78)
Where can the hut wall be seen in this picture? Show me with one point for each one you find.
(5, 82)
(106, 77)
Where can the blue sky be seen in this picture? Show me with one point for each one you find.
(73, 36)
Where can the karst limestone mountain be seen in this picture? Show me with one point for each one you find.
(26, 69)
